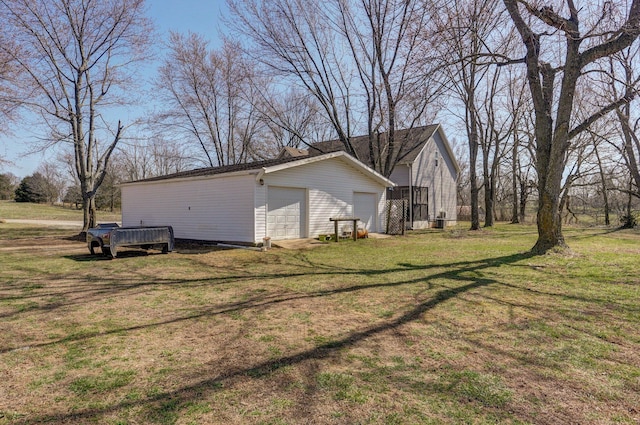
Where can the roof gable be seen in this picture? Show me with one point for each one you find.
(341, 155)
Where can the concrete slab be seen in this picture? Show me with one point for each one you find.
(298, 243)
(314, 243)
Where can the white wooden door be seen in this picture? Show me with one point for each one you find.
(286, 213)
(364, 207)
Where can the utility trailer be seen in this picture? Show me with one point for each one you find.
(109, 237)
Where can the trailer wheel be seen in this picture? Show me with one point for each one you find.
(92, 247)
(106, 251)
(165, 248)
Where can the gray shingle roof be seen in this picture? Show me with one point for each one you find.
(408, 144)
(210, 171)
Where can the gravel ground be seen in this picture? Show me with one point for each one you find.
(58, 223)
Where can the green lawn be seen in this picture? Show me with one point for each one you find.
(18, 210)
(436, 327)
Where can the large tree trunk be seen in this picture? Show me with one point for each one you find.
(549, 225)
(549, 215)
(89, 213)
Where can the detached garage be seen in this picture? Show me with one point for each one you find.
(285, 198)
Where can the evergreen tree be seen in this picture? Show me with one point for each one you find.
(32, 188)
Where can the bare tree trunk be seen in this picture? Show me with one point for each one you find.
(630, 201)
(605, 195)
(473, 178)
(514, 179)
(631, 144)
(524, 195)
(489, 200)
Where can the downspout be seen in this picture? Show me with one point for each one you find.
(442, 206)
(260, 174)
(411, 194)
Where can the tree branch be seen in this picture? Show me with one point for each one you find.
(629, 96)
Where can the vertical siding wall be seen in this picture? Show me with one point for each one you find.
(400, 175)
(216, 209)
(330, 186)
(440, 180)
(449, 199)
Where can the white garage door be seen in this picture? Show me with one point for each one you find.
(286, 215)
(364, 207)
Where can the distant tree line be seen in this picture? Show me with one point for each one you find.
(40, 188)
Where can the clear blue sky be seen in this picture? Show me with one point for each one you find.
(200, 16)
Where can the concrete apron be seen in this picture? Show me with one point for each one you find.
(314, 243)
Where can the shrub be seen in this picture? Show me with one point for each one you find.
(628, 221)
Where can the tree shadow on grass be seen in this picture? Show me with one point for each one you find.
(179, 399)
(122, 254)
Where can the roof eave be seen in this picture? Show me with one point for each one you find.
(447, 146)
(193, 178)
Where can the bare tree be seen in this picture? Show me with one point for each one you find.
(524, 172)
(624, 76)
(390, 43)
(363, 61)
(76, 55)
(209, 97)
(8, 184)
(294, 39)
(291, 117)
(55, 179)
(603, 181)
(466, 28)
(606, 34)
(8, 79)
(499, 121)
(150, 155)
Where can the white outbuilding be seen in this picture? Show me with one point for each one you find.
(284, 198)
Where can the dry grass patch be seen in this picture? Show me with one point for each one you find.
(435, 327)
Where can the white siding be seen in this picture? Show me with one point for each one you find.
(330, 187)
(216, 209)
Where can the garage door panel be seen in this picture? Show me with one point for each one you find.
(285, 217)
(364, 207)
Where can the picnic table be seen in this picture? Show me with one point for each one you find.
(354, 232)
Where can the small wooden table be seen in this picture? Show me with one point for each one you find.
(355, 220)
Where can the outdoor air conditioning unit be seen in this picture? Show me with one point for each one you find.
(440, 221)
